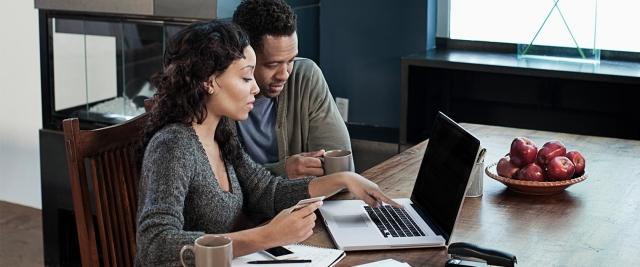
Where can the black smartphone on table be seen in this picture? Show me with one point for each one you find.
(279, 253)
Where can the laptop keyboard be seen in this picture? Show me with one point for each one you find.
(393, 222)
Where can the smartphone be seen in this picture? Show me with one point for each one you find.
(305, 202)
(279, 253)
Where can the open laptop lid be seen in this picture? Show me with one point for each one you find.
(444, 174)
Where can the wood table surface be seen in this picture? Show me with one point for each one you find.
(592, 223)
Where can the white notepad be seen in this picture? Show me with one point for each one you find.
(320, 257)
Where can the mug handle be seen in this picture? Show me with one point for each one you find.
(184, 248)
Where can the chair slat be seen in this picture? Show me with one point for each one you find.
(122, 202)
(97, 172)
(129, 201)
(114, 212)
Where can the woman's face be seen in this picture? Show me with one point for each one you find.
(235, 88)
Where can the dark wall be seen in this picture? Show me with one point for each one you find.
(361, 42)
(308, 12)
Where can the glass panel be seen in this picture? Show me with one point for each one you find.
(69, 64)
(103, 50)
(172, 29)
(142, 49)
(565, 31)
(102, 68)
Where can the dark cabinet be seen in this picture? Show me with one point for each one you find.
(497, 89)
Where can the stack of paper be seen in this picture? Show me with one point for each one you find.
(385, 263)
(320, 257)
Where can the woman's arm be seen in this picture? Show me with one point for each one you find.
(264, 194)
(359, 186)
(286, 228)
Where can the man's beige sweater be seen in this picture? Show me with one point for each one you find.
(308, 118)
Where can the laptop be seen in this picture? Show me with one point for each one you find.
(428, 217)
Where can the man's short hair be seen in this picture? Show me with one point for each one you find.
(265, 17)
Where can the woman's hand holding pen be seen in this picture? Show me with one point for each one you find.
(292, 227)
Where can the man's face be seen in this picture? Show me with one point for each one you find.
(275, 62)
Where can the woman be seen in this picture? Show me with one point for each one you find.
(196, 179)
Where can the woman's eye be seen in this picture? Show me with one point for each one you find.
(247, 79)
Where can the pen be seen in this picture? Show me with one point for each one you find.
(278, 261)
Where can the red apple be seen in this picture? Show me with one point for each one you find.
(549, 151)
(523, 151)
(578, 160)
(531, 172)
(505, 168)
(560, 168)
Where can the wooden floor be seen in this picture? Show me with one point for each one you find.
(20, 236)
(21, 227)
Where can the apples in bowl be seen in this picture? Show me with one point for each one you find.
(527, 169)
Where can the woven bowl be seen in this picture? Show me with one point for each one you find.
(532, 187)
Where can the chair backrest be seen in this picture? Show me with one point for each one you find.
(104, 168)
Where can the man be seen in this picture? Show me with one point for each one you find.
(295, 118)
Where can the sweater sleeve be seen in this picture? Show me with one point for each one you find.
(327, 130)
(167, 168)
(265, 194)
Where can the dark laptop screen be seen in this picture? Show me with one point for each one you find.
(444, 173)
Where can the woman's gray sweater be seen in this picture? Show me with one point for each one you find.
(181, 200)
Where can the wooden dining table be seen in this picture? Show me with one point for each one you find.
(592, 223)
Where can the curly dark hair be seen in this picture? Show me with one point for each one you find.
(265, 17)
(191, 57)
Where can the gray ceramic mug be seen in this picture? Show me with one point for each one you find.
(337, 161)
(210, 251)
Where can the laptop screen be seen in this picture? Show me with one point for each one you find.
(444, 173)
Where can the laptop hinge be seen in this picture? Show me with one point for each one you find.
(436, 229)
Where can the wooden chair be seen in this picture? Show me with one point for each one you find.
(104, 168)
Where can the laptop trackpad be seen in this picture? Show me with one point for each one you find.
(351, 221)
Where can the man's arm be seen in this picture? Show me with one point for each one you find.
(298, 165)
(277, 168)
(327, 130)
(321, 125)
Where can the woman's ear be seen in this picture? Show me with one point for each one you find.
(208, 85)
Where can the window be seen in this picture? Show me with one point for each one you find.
(616, 22)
